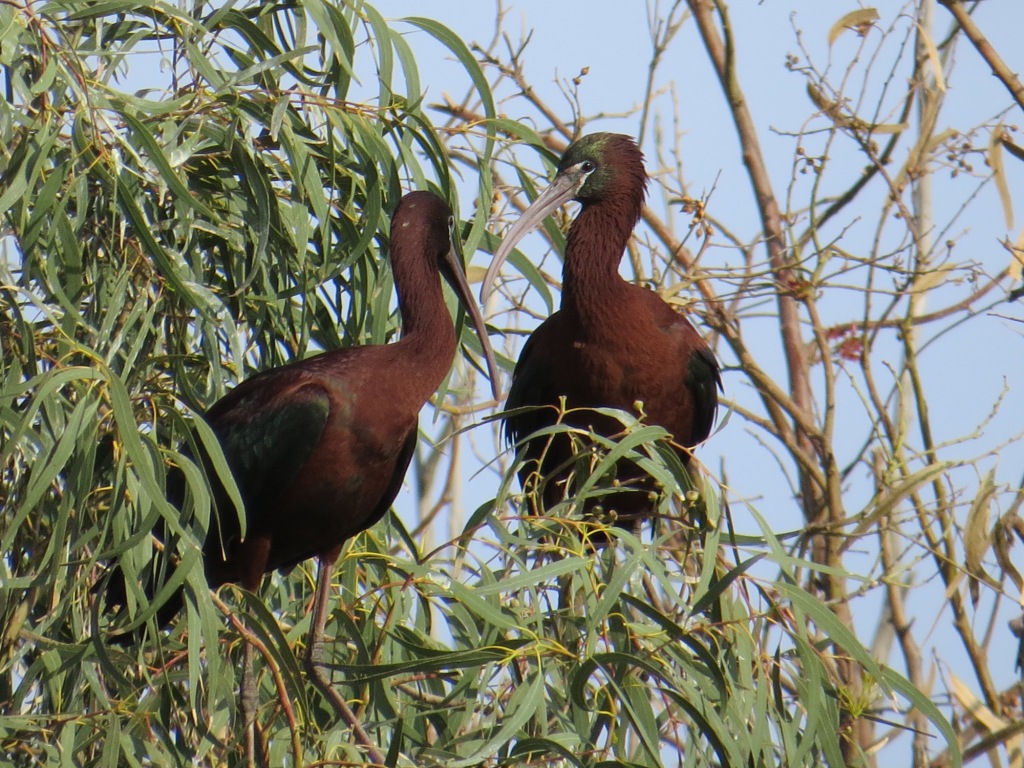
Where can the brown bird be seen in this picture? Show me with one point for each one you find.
(612, 343)
(319, 448)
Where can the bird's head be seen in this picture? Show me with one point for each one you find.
(603, 165)
(598, 169)
(421, 225)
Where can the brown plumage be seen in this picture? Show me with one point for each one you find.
(612, 343)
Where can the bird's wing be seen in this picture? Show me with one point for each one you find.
(532, 384)
(397, 478)
(268, 427)
(702, 376)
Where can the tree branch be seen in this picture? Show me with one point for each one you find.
(981, 44)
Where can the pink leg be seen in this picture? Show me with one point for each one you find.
(314, 661)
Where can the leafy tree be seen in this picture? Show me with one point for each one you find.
(163, 242)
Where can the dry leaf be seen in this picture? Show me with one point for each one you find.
(1002, 540)
(834, 111)
(475, 274)
(933, 58)
(976, 708)
(1016, 268)
(930, 279)
(977, 536)
(995, 162)
(821, 101)
(859, 21)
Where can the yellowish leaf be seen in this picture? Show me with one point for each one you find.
(1002, 540)
(834, 111)
(1015, 270)
(860, 21)
(475, 274)
(940, 139)
(987, 719)
(977, 538)
(975, 706)
(929, 279)
(933, 58)
(995, 162)
(821, 101)
(886, 500)
(829, 108)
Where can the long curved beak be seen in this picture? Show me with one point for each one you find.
(562, 190)
(457, 277)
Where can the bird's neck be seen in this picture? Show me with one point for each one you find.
(594, 248)
(428, 335)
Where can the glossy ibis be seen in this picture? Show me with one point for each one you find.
(319, 447)
(612, 343)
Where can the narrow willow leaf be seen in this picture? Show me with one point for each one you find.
(385, 57)
(529, 750)
(487, 610)
(261, 192)
(527, 702)
(859, 21)
(155, 153)
(710, 726)
(818, 699)
(45, 206)
(48, 466)
(455, 44)
(923, 704)
(332, 25)
(977, 536)
(127, 430)
(995, 162)
(830, 626)
(18, 180)
(706, 594)
(536, 576)
(247, 76)
(431, 662)
(213, 451)
(934, 60)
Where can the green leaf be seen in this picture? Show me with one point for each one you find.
(155, 153)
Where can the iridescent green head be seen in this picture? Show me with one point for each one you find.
(603, 165)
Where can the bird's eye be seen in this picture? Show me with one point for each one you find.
(588, 166)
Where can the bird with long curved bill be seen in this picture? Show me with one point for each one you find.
(612, 344)
(319, 448)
